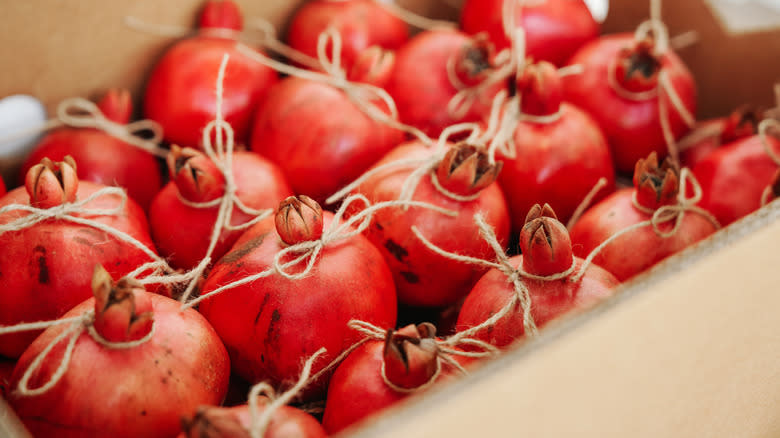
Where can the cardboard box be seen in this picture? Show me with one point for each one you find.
(690, 349)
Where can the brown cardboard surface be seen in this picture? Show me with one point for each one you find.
(692, 350)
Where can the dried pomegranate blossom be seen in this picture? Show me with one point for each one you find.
(465, 170)
(50, 184)
(299, 219)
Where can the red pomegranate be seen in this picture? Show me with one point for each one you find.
(554, 29)
(167, 363)
(270, 324)
(709, 135)
(97, 151)
(180, 91)
(623, 90)
(236, 422)
(655, 187)
(560, 151)
(46, 267)
(546, 251)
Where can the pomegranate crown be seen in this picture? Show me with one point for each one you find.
(655, 184)
(196, 177)
(122, 310)
(116, 105)
(467, 169)
(221, 14)
(541, 89)
(411, 355)
(213, 422)
(638, 67)
(545, 242)
(50, 183)
(743, 122)
(299, 219)
(475, 59)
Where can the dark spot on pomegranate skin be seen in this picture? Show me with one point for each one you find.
(246, 248)
(262, 307)
(143, 413)
(276, 316)
(411, 277)
(43, 269)
(396, 250)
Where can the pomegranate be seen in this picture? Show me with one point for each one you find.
(546, 252)
(96, 152)
(272, 322)
(182, 229)
(678, 224)
(180, 91)
(554, 29)
(734, 177)
(46, 267)
(145, 364)
(711, 134)
(560, 151)
(236, 422)
(361, 24)
(626, 88)
(422, 277)
(432, 69)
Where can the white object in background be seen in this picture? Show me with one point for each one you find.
(598, 8)
(21, 116)
(744, 16)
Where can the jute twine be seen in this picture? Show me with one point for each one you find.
(221, 155)
(78, 325)
(303, 256)
(763, 132)
(77, 112)
(664, 214)
(586, 201)
(259, 421)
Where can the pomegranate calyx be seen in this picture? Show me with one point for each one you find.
(743, 122)
(213, 422)
(545, 243)
(638, 67)
(474, 60)
(122, 311)
(117, 105)
(196, 177)
(466, 170)
(541, 89)
(221, 14)
(50, 184)
(411, 355)
(656, 185)
(373, 66)
(299, 219)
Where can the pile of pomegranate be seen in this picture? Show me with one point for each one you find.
(311, 239)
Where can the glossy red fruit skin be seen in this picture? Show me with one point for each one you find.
(47, 269)
(638, 250)
(554, 29)
(556, 163)
(286, 421)
(734, 177)
(270, 325)
(180, 93)
(2, 187)
(632, 128)
(361, 24)
(101, 157)
(740, 124)
(549, 301)
(421, 88)
(318, 137)
(422, 277)
(139, 391)
(182, 232)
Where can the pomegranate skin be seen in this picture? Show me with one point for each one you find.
(734, 176)
(361, 24)
(286, 422)
(2, 187)
(139, 391)
(422, 277)
(554, 29)
(46, 269)
(318, 137)
(180, 91)
(632, 128)
(270, 325)
(638, 250)
(556, 163)
(421, 88)
(549, 300)
(182, 232)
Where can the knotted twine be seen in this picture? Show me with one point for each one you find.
(78, 325)
(663, 214)
(222, 157)
(77, 112)
(306, 253)
(664, 90)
